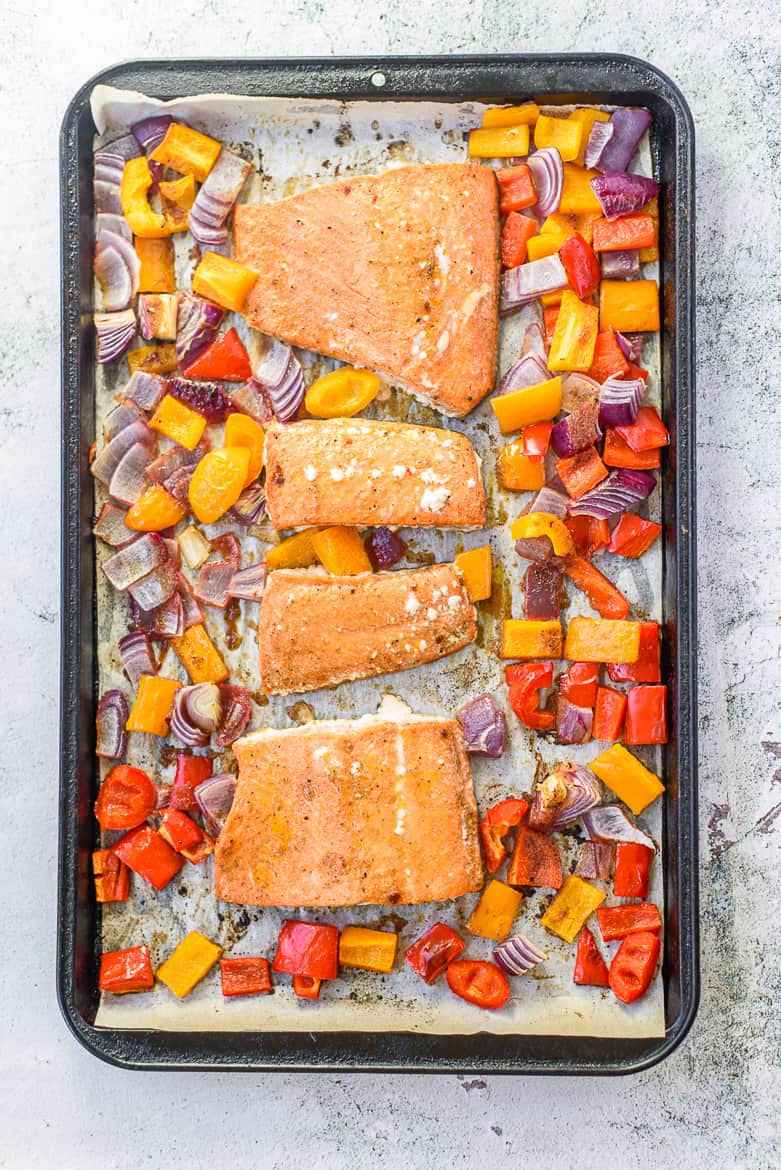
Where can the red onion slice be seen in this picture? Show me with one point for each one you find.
(577, 430)
(129, 480)
(543, 591)
(630, 344)
(549, 500)
(216, 198)
(121, 149)
(619, 401)
(280, 377)
(227, 545)
(131, 563)
(156, 587)
(150, 132)
(548, 178)
(106, 197)
(530, 281)
(167, 621)
(108, 460)
(609, 822)
(115, 271)
(528, 371)
(627, 126)
(596, 860)
(197, 323)
(196, 714)
(115, 332)
(213, 583)
(384, 548)
(619, 491)
(619, 265)
(550, 794)
(207, 398)
(577, 389)
(517, 955)
(110, 526)
(215, 798)
(573, 724)
(192, 612)
(110, 720)
(485, 727)
(251, 505)
(623, 194)
(146, 390)
(248, 584)
(236, 708)
(120, 417)
(534, 343)
(178, 483)
(251, 399)
(137, 656)
(161, 470)
(584, 789)
(105, 221)
(601, 133)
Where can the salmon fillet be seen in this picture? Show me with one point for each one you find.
(316, 630)
(377, 810)
(398, 272)
(359, 471)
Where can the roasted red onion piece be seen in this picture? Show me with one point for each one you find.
(150, 132)
(528, 282)
(207, 398)
(123, 415)
(251, 505)
(611, 145)
(573, 724)
(107, 461)
(619, 265)
(106, 221)
(534, 343)
(117, 269)
(192, 612)
(227, 545)
(251, 399)
(167, 621)
(135, 651)
(619, 491)
(110, 526)
(236, 711)
(384, 548)
(156, 587)
(196, 714)
(548, 179)
(280, 377)
(630, 344)
(129, 479)
(172, 460)
(213, 582)
(178, 483)
(528, 371)
(596, 860)
(106, 197)
(543, 592)
(577, 389)
(197, 323)
(215, 798)
(584, 792)
(622, 194)
(248, 584)
(517, 955)
(578, 430)
(548, 499)
(135, 560)
(115, 332)
(550, 796)
(609, 822)
(601, 133)
(146, 390)
(485, 727)
(215, 199)
(619, 401)
(112, 715)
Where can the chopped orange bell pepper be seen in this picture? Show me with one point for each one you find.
(535, 524)
(199, 656)
(562, 134)
(652, 253)
(627, 233)
(630, 306)
(524, 115)
(602, 640)
(631, 781)
(187, 151)
(514, 242)
(369, 950)
(153, 359)
(223, 281)
(581, 472)
(516, 189)
(243, 431)
(157, 273)
(587, 117)
(565, 225)
(575, 334)
(608, 601)
(342, 393)
(217, 482)
(609, 360)
(154, 704)
(493, 915)
(341, 550)
(154, 510)
(190, 962)
(499, 142)
(178, 422)
(577, 194)
(531, 639)
(529, 405)
(177, 198)
(572, 906)
(519, 472)
(475, 566)
(133, 187)
(297, 552)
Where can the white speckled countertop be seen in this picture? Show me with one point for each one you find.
(716, 1101)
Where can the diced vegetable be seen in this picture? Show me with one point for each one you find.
(177, 197)
(187, 151)
(157, 313)
(280, 381)
(647, 667)
(536, 860)
(622, 195)
(579, 683)
(578, 430)
(518, 471)
(207, 398)
(485, 727)
(154, 510)
(194, 546)
(608, 714)
(606, 599)
(225, 360)
(342, 393)
(112, 877)
(191, 962)
(619, 921)
(217, 482)
(575, 335)
(125, 971)
(296, 552)
(562, 134)
(191, 771)
(493, 916)
(499, 142)
(223, 281)
(475, 568)
(215, 799)
(577, 195)
(517, 955)
(572, 906)
(245, 975)
(307, 948)
(133, 192)
(216, 199)
(154, 704)
(596, 860)
(147, 854)
(614, 150)
(306, 986)
(178, 423)
(628, 232)
(531, 639)
(369, 950)
(341, 551)
(517, 231)
(610, 822)
(199, 656)
(631, 781)
(633, 536)
(581, 265)
(534, 524)
(528, 282)
(590, 967)
(495, 826)
(617, 453)
(525, 684)
(126, 798)
(243, 431)
(384, 548)
(516, 189)
(110, 721)
(573, 723)
(430, 955)
(581, 472)
(646, 715)
(599, 640)
(589, 534)
(633, 868)
(183, 835)
(631, 306)
(587, 116)
(157, 274)
(646, 432)
(478, 982)
(115, 332)
(633, 966)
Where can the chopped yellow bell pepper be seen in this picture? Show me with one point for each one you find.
(519, 472)
(297, 552)
(157, 273)
(499, 142)
(243, 431)
(531, 639)
(177, 197)
(217, 482)
(575, 335)
(187, 151)
(190, 962)
(562, 134)
(602, 640)
(154, 704)
(178, 422)
(631, 781)
(587, 116)
(134, 184)
(572, 906)
(341, 551)
(199, 656)
(535, 524)
(342, 393)
(493, 915)
(629, 306)
(563, 226)
(577, 195)
(154, 510)
(223, 281)
(540, 246)
(153, 359)
(532, 404)
(370, 950)
(475, 566)
(648, 254)
(525, 115)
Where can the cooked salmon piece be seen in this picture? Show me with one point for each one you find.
(379, 809)
(359, 471)
(316, 630)
(398, 272)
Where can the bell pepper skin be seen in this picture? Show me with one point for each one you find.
(633, 966)
(587, 117)
(633, 868)
(563, 134)
(187, 151)
(499, 142)
(153, 359)
(531, 639)
(526, 682)
(154, 510)
(478, 982)
(630, 306)
(199, 656)
(602, 640)
(646, 432)
(575, 335)
(617, 453)
(535, 524)
(190, 772)
(434, 950)
(579, 683)
(306, 986)
(523, 115)
(631, 781)
(245, 975)
(588, 534)
(296, 552)
(495, 826)
(367, 950)
(608, 601)
(536, 860)
(609, 360)
(633, 536)
(217, 482)
(133, 191)
(243, 431)
(536, 439)
(154, 704)
(177, 197)
(475, 567)
(225, 360)
(157, 274)
(518, 471)
(581, 472)
(574, 903)
(307, 948)
(183, 835)
(126, 798)
(342, 393)
(648, 667)
(590, 967)
(124, 971)
(628, 233)
(493, 916)
(577, 195)
(224, 281)
(341, 551)
(178, 422)
(581, 265)
(619, 921)
(646, 715)
(192, 960)
(608, 714)
(532, 404)
(112, 877)
(517, 230)
(516, 189)
(145, 852)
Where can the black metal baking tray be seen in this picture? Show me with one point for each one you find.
(599, 78)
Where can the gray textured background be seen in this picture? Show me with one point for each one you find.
(716, 1101)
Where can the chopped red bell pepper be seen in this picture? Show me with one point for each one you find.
(590, 967)
(516, 233)
(127, 797)
(633, 966)
(647, 432)
(619, 921)
(609, 360)
(526, 680)
(581, 472)
(536, 861)
(581, 265)
(124, 971)
(190, 772)
(626, 234)
(648, 667)
(608, 714)
(495, 826)
(245, 975)
(608, 601)
(148, 855)
(646, 715)
(588, 534)
(434, 950)
(633, 868)
(308, 948)
(535, 439)
(516, 189)
(634, 372)
(617, 453)
(225, 360)
(478, 982)
(633, 535)
(187, 838)
(112, 877)
(306, 986)
(579, 683)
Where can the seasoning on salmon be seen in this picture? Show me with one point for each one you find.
(358, 471)
(398, 272)
(317, 630)
(379, 809)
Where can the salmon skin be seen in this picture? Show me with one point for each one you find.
(398, 272)
(339, 813)
(316, 630)
(359, 471)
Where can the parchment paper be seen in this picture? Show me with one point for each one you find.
(295, 144)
